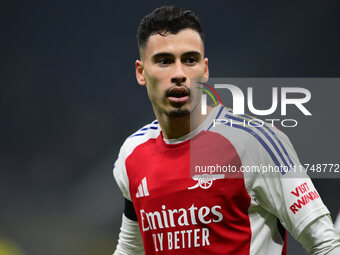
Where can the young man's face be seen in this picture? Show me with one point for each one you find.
(167, 64)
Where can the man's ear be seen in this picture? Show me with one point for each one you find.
(140, 73)
(206, 70)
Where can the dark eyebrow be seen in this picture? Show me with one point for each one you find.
(161, 54)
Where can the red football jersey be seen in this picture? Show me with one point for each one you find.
(200, 194)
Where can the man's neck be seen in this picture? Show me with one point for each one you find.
(175, 127)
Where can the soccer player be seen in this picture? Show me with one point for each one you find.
(168, 210)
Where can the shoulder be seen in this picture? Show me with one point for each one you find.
(149, 131)
(256, 140)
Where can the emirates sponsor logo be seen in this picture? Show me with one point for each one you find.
(167, 218)
(159, 222)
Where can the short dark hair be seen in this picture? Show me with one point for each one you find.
(167, 19)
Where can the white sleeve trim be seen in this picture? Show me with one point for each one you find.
(130, 240)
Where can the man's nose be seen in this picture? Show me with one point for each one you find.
(179, 76)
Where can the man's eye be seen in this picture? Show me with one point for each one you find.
(191, 60)
(164, 61)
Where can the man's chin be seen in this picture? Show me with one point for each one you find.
(176, 113)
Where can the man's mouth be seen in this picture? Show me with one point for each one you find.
(178, 95)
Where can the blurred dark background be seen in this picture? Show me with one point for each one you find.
(69, 99)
